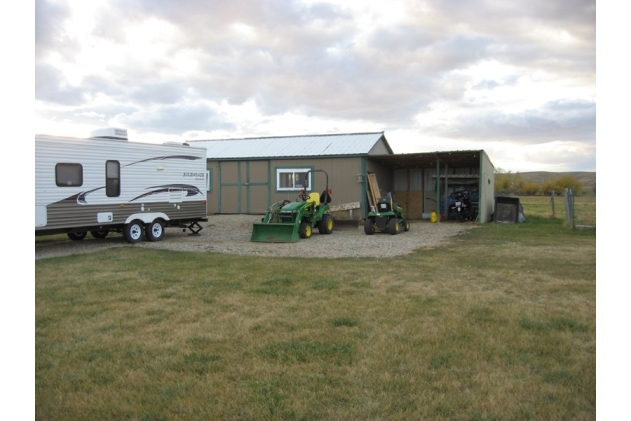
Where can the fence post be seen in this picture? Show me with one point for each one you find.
(572, 195)
(569, 206)
(552, 200)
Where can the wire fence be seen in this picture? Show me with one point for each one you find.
(570, 209)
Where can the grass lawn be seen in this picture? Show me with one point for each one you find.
(541, 207)
(498, 325)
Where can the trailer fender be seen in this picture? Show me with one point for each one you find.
(147, 217)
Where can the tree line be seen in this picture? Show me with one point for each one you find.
(507, 182)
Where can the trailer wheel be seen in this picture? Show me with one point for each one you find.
(133, 232)
(99, 234)
(305, 230)
(155, 230)
(406, 225)
(369, 226)
(76, 236)
(326, 224)
(393, 226)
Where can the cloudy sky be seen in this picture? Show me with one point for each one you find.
(515, 78)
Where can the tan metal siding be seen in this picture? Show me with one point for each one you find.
(487, 187)
(379, 148)
(213, 194)
(343, 178)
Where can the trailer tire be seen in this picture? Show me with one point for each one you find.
(76, 236)
(369, 226)
(154, 230)
(305, 230)
(133, 232)
(406, 225)
(99, 234)
(325, 226)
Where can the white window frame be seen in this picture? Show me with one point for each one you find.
(280, 171)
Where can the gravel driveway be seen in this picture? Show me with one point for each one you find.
(231, 234)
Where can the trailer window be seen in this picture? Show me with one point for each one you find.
(69, 175)
(112, 178)
(291, 179)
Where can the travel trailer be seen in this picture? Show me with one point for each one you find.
(107, 184)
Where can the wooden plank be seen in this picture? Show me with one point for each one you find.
(344, 206)
(374, 188)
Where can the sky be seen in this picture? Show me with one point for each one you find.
(517, 79)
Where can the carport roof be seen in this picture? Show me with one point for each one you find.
(454, 159)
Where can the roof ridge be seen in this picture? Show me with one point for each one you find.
(283, 137)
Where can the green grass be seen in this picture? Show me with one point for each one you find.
(497, 325)
(541, 207)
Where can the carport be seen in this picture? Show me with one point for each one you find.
(422, 181)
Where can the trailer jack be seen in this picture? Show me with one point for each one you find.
(194, 227)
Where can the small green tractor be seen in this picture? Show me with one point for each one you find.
(287, 222)
(387, 217)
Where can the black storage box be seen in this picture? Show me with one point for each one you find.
(506, 209)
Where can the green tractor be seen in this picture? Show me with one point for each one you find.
(388, 217)
(287, 222)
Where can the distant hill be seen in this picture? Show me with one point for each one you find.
(587, 179)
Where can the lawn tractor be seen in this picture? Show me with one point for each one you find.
(286, 221)
(387, 217)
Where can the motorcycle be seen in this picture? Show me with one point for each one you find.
(462, 208)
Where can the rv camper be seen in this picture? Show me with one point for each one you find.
(106, 184)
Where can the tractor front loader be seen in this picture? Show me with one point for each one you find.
(287, 222)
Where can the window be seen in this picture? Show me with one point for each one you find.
(292, 179)
(112, 178)
(69, 175)
(209, 181)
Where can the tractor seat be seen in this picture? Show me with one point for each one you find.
(384, 205)
(314, 197)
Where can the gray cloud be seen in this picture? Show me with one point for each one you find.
(52, 86)
(557, 120)
(49, 26)
(309, 59)
(174, 119)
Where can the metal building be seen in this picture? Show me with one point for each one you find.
(248, 175)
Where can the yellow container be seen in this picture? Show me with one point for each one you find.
(434, 217)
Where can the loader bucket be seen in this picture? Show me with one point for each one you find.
(274, 233)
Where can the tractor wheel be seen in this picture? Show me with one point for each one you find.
(305, 230)
(325, 226)
(406, 225)
(369, 226)
(393, 226)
